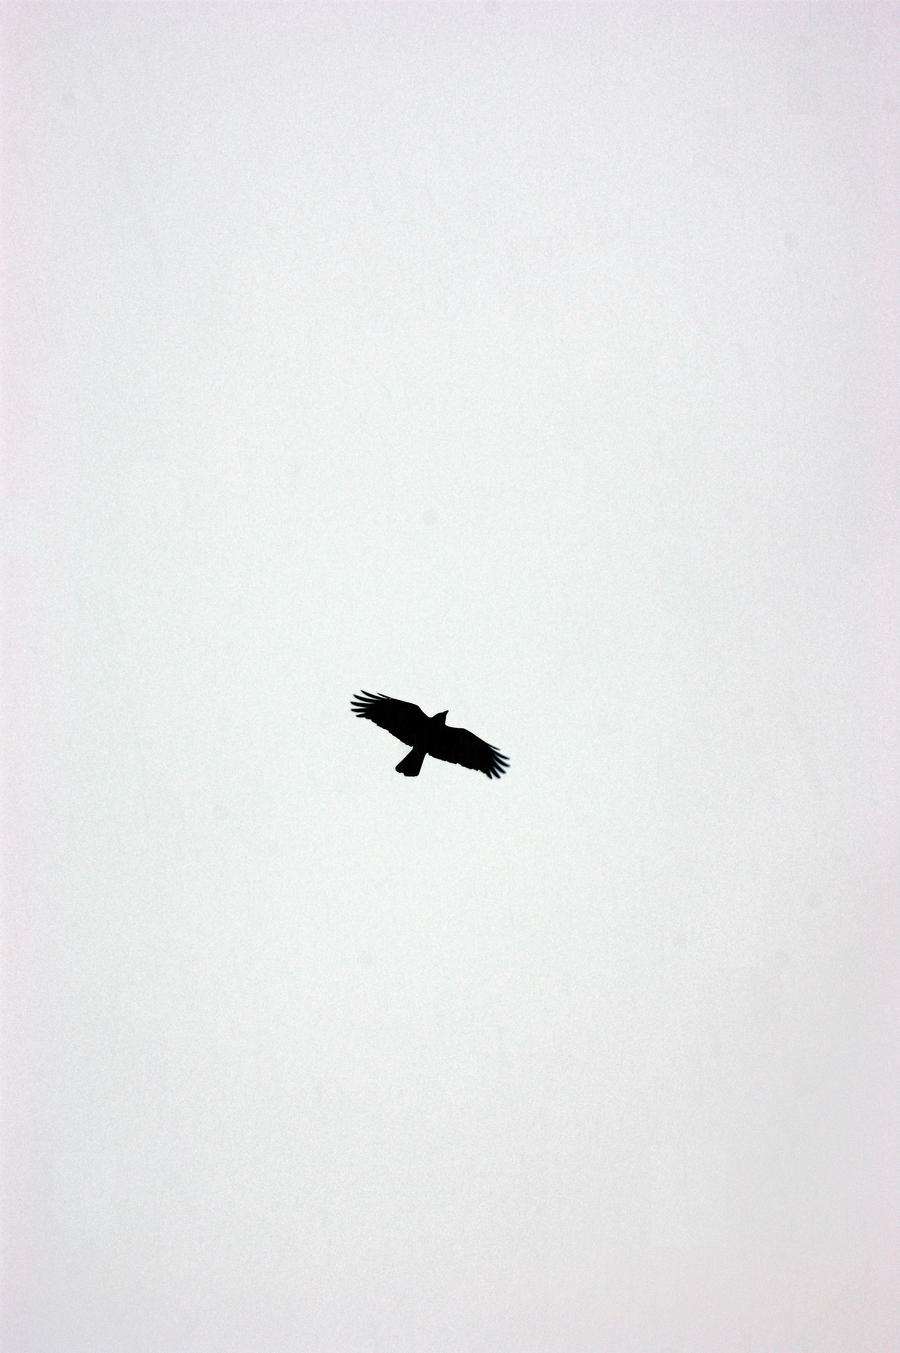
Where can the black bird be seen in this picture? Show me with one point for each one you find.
(428, 736)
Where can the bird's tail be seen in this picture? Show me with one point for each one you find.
(412, 764)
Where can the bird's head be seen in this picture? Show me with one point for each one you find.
(442, 717)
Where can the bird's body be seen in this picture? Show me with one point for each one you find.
(428, 736)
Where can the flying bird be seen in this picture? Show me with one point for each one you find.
(428, 736)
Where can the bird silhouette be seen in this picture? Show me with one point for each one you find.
(428, 736)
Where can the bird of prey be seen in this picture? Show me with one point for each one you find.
(428, 736)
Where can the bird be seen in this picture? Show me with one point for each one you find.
(428, 736)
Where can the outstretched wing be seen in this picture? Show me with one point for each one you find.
(464, 749)
(400, 717)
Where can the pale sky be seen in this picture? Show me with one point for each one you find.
(529, 362)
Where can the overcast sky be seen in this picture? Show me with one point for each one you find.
(528, 362)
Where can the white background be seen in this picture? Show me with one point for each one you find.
(527, 363)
